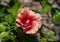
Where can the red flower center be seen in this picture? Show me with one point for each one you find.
(26, 20)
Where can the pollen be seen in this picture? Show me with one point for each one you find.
(27, 21)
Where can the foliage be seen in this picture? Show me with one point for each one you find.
(56, 16)
(9, 32)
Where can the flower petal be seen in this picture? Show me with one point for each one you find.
(34, 28)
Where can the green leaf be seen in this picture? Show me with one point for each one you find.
(58, 0)
(2, 10)
(20, 8)
(4, 34)
(2, 27)
(45, 9)
(14, 10)
(10, 38)
(56, 16)
(15, 27)
(16, 1)
(42, 39)
(49, 37)
(42, 30)
(9, 18)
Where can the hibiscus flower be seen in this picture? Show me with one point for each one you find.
(29, 21)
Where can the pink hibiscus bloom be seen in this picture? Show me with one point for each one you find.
(29, 21)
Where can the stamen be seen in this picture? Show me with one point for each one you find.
(27, 21)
